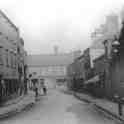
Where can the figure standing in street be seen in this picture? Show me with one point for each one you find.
(44, 89)
(36, 88)
(25, 86)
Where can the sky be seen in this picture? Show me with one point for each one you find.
(66, 23)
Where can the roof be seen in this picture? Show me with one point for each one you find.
(10, 22)
(93, 80)
(49, 59)
(99, 58)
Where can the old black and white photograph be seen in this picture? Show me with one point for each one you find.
(61, 61)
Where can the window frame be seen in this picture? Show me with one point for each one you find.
(7, 57)
(1, 56)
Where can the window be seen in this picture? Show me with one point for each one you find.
(11, 59)
(87, 65)
(1, 55)
(18, 50)
(7, 59)
(14, 60)
(13, 56)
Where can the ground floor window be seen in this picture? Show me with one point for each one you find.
(60, 81)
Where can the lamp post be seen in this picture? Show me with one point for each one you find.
(115, 47)
(115, 51)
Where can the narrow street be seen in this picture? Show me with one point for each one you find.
(59, 108)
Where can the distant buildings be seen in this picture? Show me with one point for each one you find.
(104, 76)
(51, 67)
(79, 71)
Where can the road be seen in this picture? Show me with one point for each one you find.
(59, 108)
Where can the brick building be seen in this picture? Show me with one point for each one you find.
(80, 70)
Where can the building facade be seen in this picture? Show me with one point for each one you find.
(117, 67)
(52, 68)
(10, 85)
(79, 71)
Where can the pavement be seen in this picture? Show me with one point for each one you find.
(13, 100)
(58, 107)
(14, 106)
(105, 106)
(108, 107)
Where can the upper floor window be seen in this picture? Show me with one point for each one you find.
(11, 59)
(15, 61)
(1, 55)
(7, 59)
(18, 50)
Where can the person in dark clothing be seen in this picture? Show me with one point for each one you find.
(36, 92)
(25, 86)
(44, 89)
(35, 83)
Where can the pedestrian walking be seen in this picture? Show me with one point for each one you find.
(44, 89)
(36, 88)
(25, 86)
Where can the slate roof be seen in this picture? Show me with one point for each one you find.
(49, 59)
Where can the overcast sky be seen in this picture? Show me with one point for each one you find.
(66, 23)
